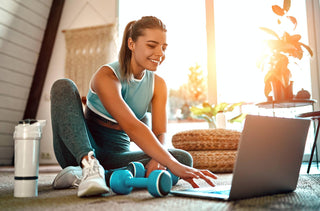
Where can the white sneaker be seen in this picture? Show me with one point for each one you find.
(68, 177)
(93, 180)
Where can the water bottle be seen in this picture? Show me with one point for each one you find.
(27, 137)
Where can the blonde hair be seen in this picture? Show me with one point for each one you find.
(134, 29)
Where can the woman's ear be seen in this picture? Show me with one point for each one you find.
(130, 44)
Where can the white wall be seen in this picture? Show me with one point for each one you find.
(76, 14)
(22, 26)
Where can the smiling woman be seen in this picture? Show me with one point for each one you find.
(186, 36)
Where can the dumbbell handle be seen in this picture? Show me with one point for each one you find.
(136, 168)
(137, 182)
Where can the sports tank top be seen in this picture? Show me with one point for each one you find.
(136, 93)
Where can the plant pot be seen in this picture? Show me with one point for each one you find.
(280, 92)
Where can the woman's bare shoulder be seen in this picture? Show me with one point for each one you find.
(103, 77)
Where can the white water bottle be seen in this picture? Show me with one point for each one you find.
(27, 137)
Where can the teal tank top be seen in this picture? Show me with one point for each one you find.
(136, 93)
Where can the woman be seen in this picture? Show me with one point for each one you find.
(117, 101)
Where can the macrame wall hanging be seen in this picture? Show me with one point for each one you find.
(87, 49)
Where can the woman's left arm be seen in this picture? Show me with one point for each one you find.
(159, 118)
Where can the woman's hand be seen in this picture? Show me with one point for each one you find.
(153, 165)
(189, 174)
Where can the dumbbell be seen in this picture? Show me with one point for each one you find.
(159, 182)
(139, 167)
(174, 178)
(136, 168)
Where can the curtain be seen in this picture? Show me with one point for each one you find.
(86, 50)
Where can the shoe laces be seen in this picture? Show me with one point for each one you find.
(91, 166)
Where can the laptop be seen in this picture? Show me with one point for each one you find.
(268, 161)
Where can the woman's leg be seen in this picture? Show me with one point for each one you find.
(119, 160)
(71, 137)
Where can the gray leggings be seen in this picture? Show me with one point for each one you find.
(74, 136)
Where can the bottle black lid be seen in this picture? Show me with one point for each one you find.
(27, 121)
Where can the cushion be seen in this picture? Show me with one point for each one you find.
(217, 161)
(206, 139)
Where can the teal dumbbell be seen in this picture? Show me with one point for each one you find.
(136, 168)
(159, 182)
(174, 178)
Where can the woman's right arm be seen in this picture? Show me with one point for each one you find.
(108, 88)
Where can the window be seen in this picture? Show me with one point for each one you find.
(238, 38)
(238, 47)
(186, 36)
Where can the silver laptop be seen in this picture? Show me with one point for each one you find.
(268, 160)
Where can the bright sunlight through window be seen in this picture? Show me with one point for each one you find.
(238, 40)
(239, 44)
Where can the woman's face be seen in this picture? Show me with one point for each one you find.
(148, 50)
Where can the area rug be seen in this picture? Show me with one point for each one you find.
(306, 197)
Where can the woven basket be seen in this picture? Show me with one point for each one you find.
(217, 161)
(206, 139)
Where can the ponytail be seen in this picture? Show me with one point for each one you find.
(125, 53)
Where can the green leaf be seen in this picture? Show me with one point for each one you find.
(278, 10)
(215, 110)
(307, 48)
(197, 111)
(271, 32)
(206, 104)
(286, 5)
(279, 21)
(238, 118)
(280, 46)
(294, 38)
(293, 20)
(231, 107)
(223, 106)
(297, 52)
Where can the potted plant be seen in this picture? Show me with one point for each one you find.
(284, 48)
(210, 112)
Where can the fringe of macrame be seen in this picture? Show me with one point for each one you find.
(86, 50)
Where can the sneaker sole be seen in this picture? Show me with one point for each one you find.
(94, 188)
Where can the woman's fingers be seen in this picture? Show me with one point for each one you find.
(206, 175)
(209, 174)
(192, 183)
(208, 180)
